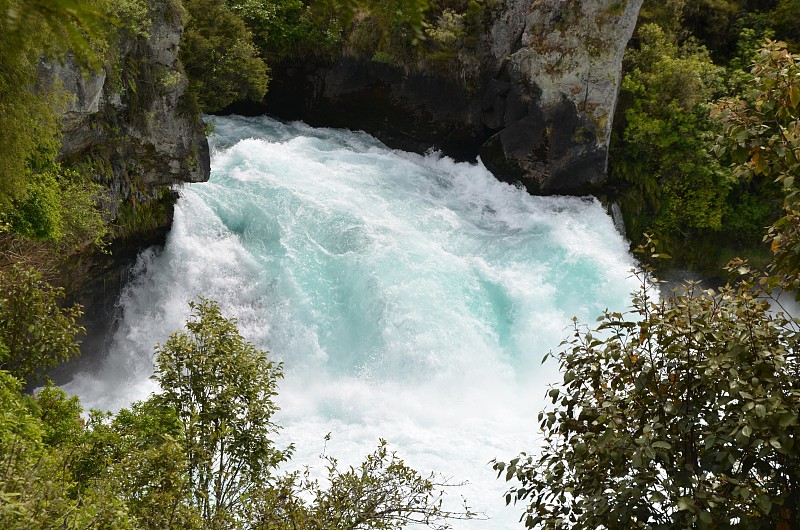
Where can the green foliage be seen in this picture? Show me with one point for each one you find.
(39, 215)
(784, 19)
(81, 211)
(275, 25)
(695, 206)
(410, 33)
(718, 23)
(59, 26)
(135, 219)
(38, 198)
(294, 27)
(684, 412)
(144, 451)
(382, 493)
(60, 416)
(672, 183)
(713, 22)
(220, 58)
(62, 207)
(28, 120)
(222, 388)
(133, 16)
(226, 41)
(762, 137)
(39, 438)
(668, 15)
(36, 332)
(197, 456)
(681, 413)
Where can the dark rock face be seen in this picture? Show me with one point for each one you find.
(538, 112)
(131, 121)
(132, 115)
(412, 111)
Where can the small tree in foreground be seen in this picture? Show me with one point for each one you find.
(198, 456)
(222, 388)
(684, 412)
(382, 493)
(35, 332)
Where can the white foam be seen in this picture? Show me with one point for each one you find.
(410, 297)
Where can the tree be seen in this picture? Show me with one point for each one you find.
(35, 331)
(41, 439)
(39, 199)
(220, 58)
(222, 388)
(684, 411)
(197, 456)
(140, 452)
(670, 183)
(382, 493)
(292, 27)
(762, 136)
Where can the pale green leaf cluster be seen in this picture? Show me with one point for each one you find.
(36, 332)
(40, 199)
(41, 439)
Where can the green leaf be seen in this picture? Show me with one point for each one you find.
(794, 95)
(764, 502)
(787, 419)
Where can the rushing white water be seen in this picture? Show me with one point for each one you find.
(410, 297)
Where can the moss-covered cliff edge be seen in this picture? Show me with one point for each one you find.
(134, 125)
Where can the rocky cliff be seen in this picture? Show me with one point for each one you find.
(535, 97)
(131, 118)
(130, 125)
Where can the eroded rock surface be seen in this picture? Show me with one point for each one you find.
(130, 126)
(535, 99)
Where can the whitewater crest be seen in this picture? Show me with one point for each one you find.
(409, 297)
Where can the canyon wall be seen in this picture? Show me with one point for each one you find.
(131, 126)
(534, 97)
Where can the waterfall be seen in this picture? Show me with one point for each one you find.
(409, 297)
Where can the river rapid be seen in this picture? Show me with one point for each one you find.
(410, 297)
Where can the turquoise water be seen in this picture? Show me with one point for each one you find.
(410, 297)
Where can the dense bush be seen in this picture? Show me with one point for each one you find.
(35, 332)
(684, 412)
(674, 186)
(40, 199)
(220, 58)
(664, 168)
